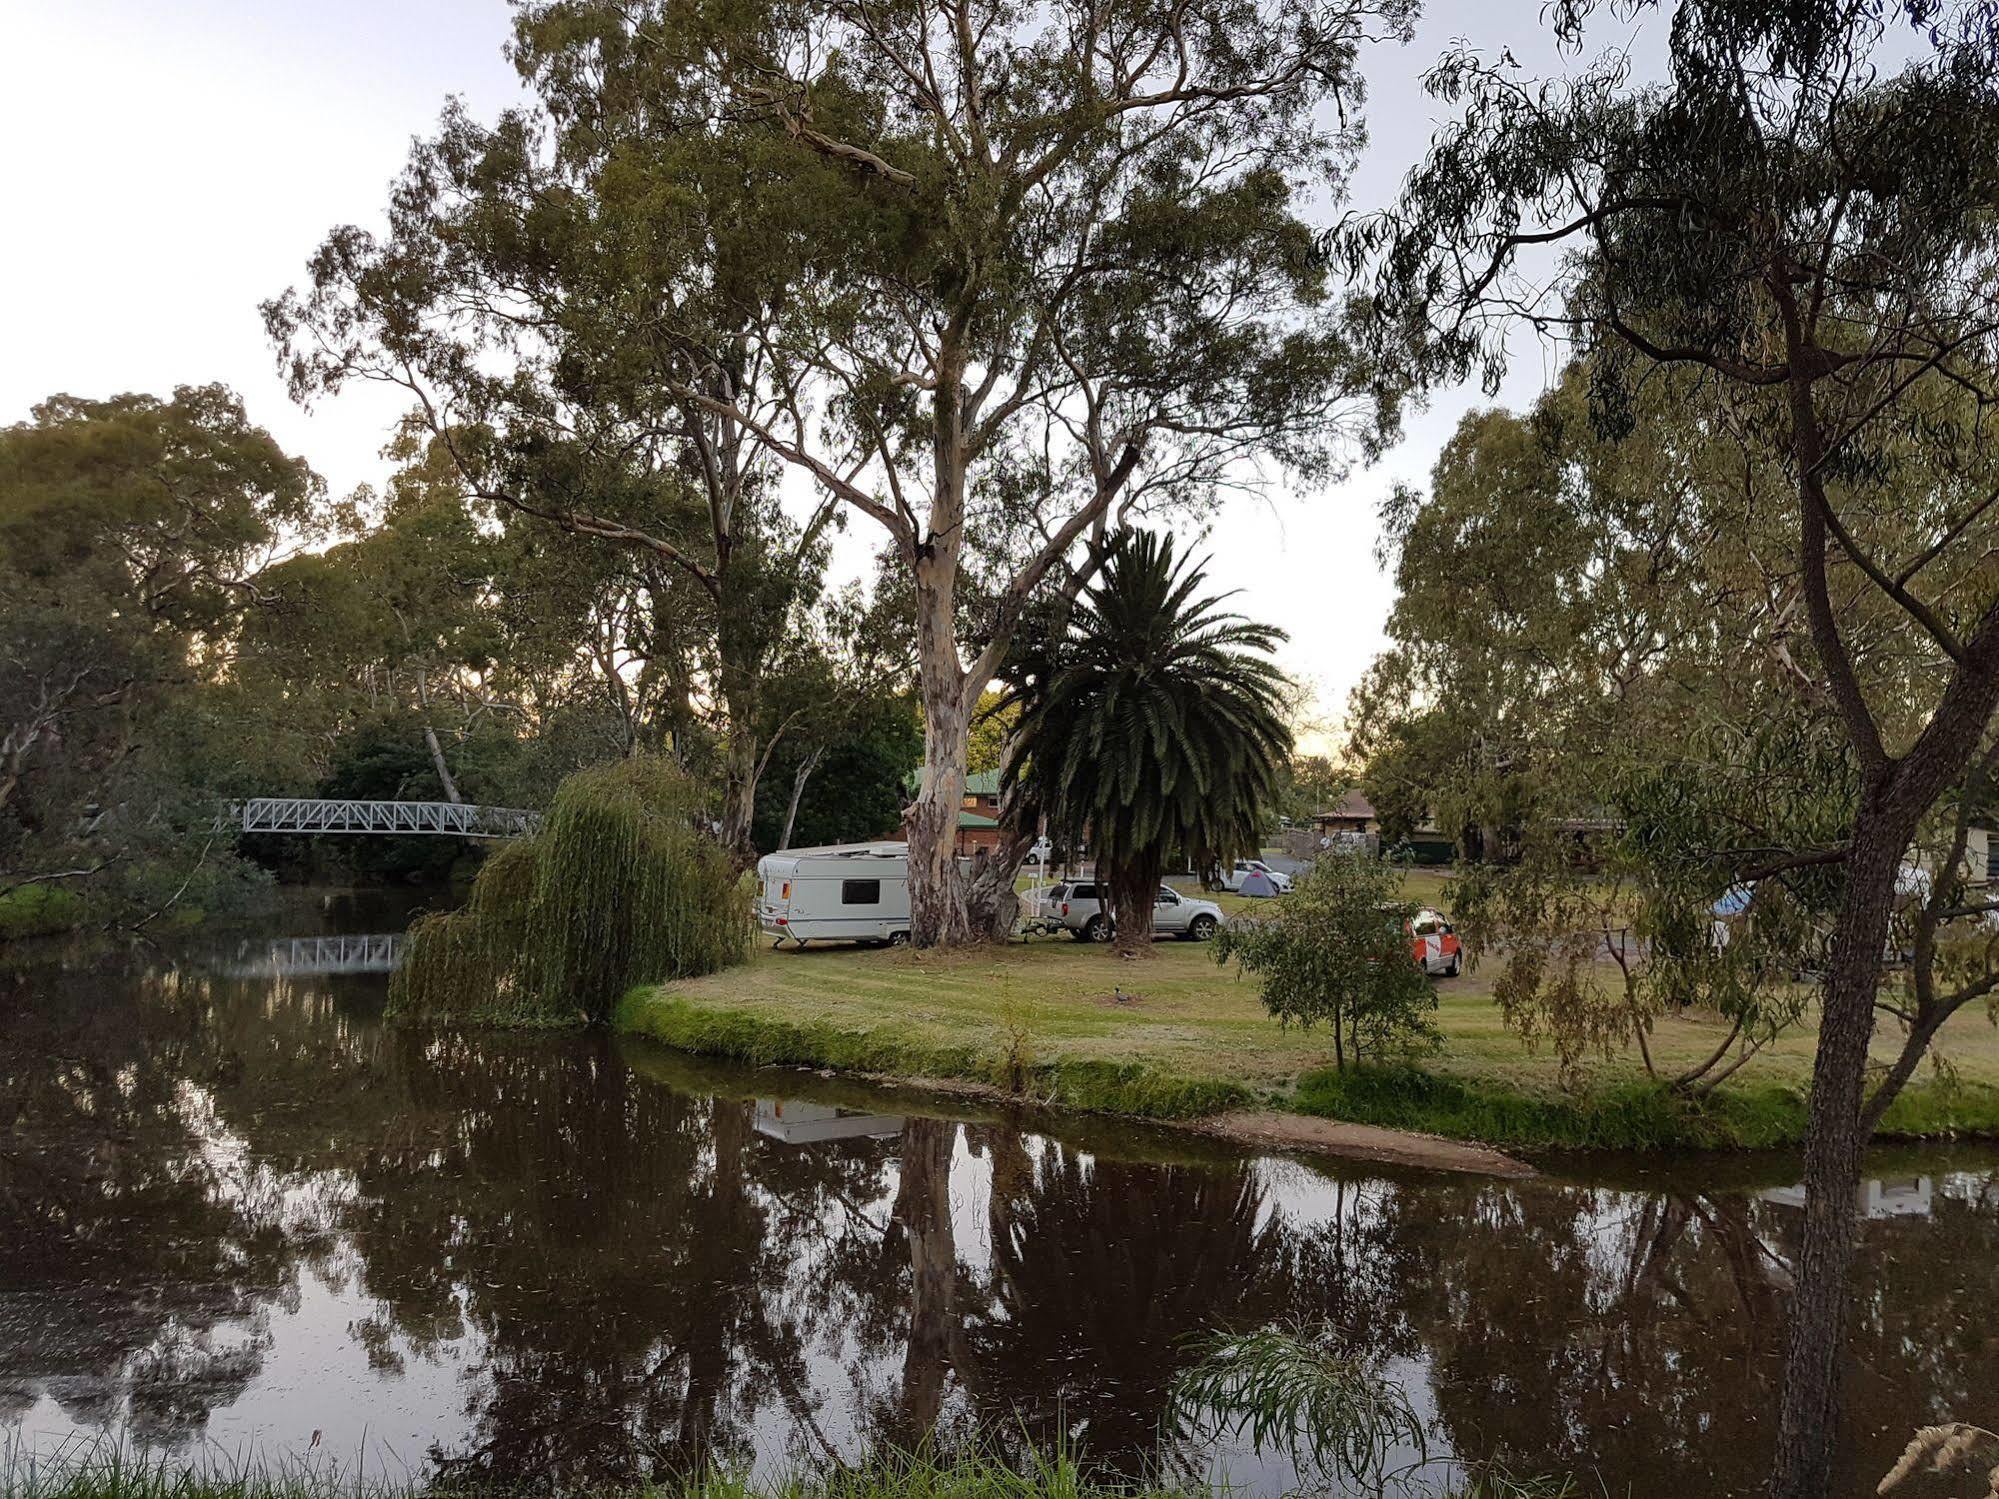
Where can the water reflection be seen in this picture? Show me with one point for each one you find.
(341, 952)
(234, 1206)
(798, 1121)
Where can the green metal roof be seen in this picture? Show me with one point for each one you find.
(978, 783)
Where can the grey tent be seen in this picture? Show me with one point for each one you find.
(1257, 883)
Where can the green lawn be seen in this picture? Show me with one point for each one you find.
(1174, 1036)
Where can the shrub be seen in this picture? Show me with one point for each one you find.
(1337, 950)
(620, 887)
(38, 911)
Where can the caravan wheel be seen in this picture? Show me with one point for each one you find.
(898, 939)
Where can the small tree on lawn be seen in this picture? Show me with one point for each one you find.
(1337, 950)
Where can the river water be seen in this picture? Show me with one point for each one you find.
(240, 1217)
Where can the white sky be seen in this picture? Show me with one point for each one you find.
(167, 167)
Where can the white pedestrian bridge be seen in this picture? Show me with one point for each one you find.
(311, 814)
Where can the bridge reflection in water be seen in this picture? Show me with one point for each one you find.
(354, 952)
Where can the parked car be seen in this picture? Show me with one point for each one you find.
(1081, 912)
(1242, 869)
(1039, 851)
(1433, 944)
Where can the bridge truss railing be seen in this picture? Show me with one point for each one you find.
(294, 814)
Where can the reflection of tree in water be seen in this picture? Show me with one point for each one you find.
(641, 1269)
(1925, 1330)
(1566, 1331)
(642, 1277)
(603, 1241)
(1102, 1266)
(137, 1252)
(1642, 1335)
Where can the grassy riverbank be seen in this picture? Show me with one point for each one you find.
(1177, 1038)
(107, 1474)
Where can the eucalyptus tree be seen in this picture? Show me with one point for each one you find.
(1153, 725)
(566, 297)
(1595, 641)
(965, 269)
(135, 534)
(1807, 227)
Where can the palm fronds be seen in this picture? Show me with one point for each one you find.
(1155, 722)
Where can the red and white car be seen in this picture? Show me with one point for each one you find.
(1433, 944)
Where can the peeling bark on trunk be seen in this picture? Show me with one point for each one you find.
(938, 914)
(993, 901)
(937, 886)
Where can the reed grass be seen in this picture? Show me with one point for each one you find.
(106, 1470)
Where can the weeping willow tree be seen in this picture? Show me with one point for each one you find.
(620, 887)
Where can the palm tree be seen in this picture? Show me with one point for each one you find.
(1153, 723)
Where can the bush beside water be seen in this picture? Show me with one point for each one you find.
(620, 887)
(39, 911)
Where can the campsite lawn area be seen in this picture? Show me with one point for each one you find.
(1176, 1036)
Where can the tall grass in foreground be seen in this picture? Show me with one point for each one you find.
(620, 887)
(1344, 1423)
(105, 1471)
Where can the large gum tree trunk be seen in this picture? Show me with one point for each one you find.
(739, 797)
(938, 914)
(1810, 1415)
(994, 903)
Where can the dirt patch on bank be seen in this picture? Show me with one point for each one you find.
(1269, 1129)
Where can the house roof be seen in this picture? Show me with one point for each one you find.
(976, 820)
(1352, 805)
(978, 783)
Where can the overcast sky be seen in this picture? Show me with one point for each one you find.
(166, 167)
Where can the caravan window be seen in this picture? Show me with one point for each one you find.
(860, 892)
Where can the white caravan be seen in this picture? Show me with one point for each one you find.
(849, 892)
